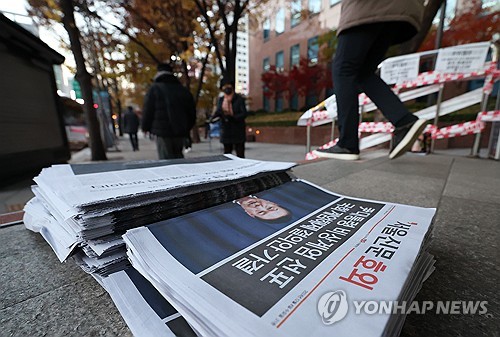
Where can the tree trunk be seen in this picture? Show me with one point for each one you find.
(195, 133)
(430, 12)
(84, 78)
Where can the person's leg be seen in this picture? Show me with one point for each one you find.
(131, 137)
(375, 88)
(407, 126)
(240, 149)
(228, 148)
(176, 144)
(352, 51)
(162, 148)
(135, 142)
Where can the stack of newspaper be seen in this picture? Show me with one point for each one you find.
(82, 210)
(293, 260)
(146, 312)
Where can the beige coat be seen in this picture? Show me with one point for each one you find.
(359, 12)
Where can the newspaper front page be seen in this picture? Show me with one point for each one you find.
(261, 266)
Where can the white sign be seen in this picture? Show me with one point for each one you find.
(462, 59)
(400, 69)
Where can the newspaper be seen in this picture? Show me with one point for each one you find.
(261, 265)
(144, 310)
(66, 224)
(38, 219)
(74, 188)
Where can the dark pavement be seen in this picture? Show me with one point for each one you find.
(39, 296)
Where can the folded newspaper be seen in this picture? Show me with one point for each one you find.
(87, 205)
(288, 261)
(146, 312)
(91, 230)
(249, 251)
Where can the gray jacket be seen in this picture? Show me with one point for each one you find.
(360, 12)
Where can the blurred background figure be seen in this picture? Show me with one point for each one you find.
(131, 126)
(169, 113)
(232, 113)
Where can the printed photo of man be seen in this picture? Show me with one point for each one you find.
(262, 209)
(201, 239)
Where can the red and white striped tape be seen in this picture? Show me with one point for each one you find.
(318, 116)
(374, 127)
(489, 81)
(310, 155)
(491, 74)
(434, 77)
(489, 116)
(462, 129)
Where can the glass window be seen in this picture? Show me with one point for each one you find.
(265, 103)
(279, 103)
(296, 12)
(312, 50)
(314, 6)
(294, 101)
(280, 60)
(265, 64)
(267, 28)
(294, 55)
(334, 2)
(280, 21)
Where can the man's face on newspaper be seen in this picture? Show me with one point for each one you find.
(262, 209)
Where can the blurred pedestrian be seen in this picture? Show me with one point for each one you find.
(169, 113)
(131, 126)
(366, 31)
(188, 143)
(232, 112)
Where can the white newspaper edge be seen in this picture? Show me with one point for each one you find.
(72, 191)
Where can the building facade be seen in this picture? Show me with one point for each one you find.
(242, 67)
(287, 31)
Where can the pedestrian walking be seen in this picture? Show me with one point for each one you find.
(232, 112)
(169, 113)
(366, 31)
(131, 126)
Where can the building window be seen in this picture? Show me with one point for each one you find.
(296, 12)
(334, 2)
(314, 6)
(294, 55)
(280, 21)
(312, 50)
(279, 103)
(265, 64)
(267, 29)
(280, 61)
(265, 102)
(294, 101)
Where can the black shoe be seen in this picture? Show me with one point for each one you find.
(337, 152)
(404, 137)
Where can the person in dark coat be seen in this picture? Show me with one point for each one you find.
(169, 113)
(131, 126)
(366, 31)
(232, 112)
